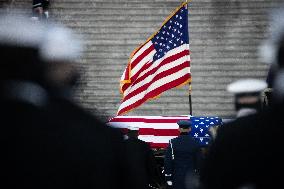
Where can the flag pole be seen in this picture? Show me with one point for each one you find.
(189, 99)
(189, 87)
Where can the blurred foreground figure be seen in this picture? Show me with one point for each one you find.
(141, 162)
(47, 141)
(247, 152)
(182, 159)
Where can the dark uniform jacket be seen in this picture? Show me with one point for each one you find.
(58, 145)
(247, 152)
(181, 160)
(142, 163)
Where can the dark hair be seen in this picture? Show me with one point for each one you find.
(132, 133)
(20, 63)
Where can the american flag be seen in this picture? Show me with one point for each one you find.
(161, 63)
(158, 130)
(200, 128)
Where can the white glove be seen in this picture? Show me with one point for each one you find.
(46, 13)
(170, 183)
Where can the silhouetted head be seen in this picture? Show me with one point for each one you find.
(60, 51)
(184, 126)
(20, 39)
(271, 52)
(133, 132)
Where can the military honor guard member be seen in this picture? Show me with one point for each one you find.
(247, 152)
(40, 9)
(182, 158)
(140, 155)
(48, 142)
(247, 95)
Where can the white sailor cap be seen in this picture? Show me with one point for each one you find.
(55, 42)
(20, 31)
(60, 44)
(247, 86)
(132, 128)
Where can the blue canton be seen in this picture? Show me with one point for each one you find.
(172, 34)
(200, 126)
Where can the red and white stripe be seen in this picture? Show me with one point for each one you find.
(144, 79)
(156, 130)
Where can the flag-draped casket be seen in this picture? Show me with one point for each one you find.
(158, 130)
